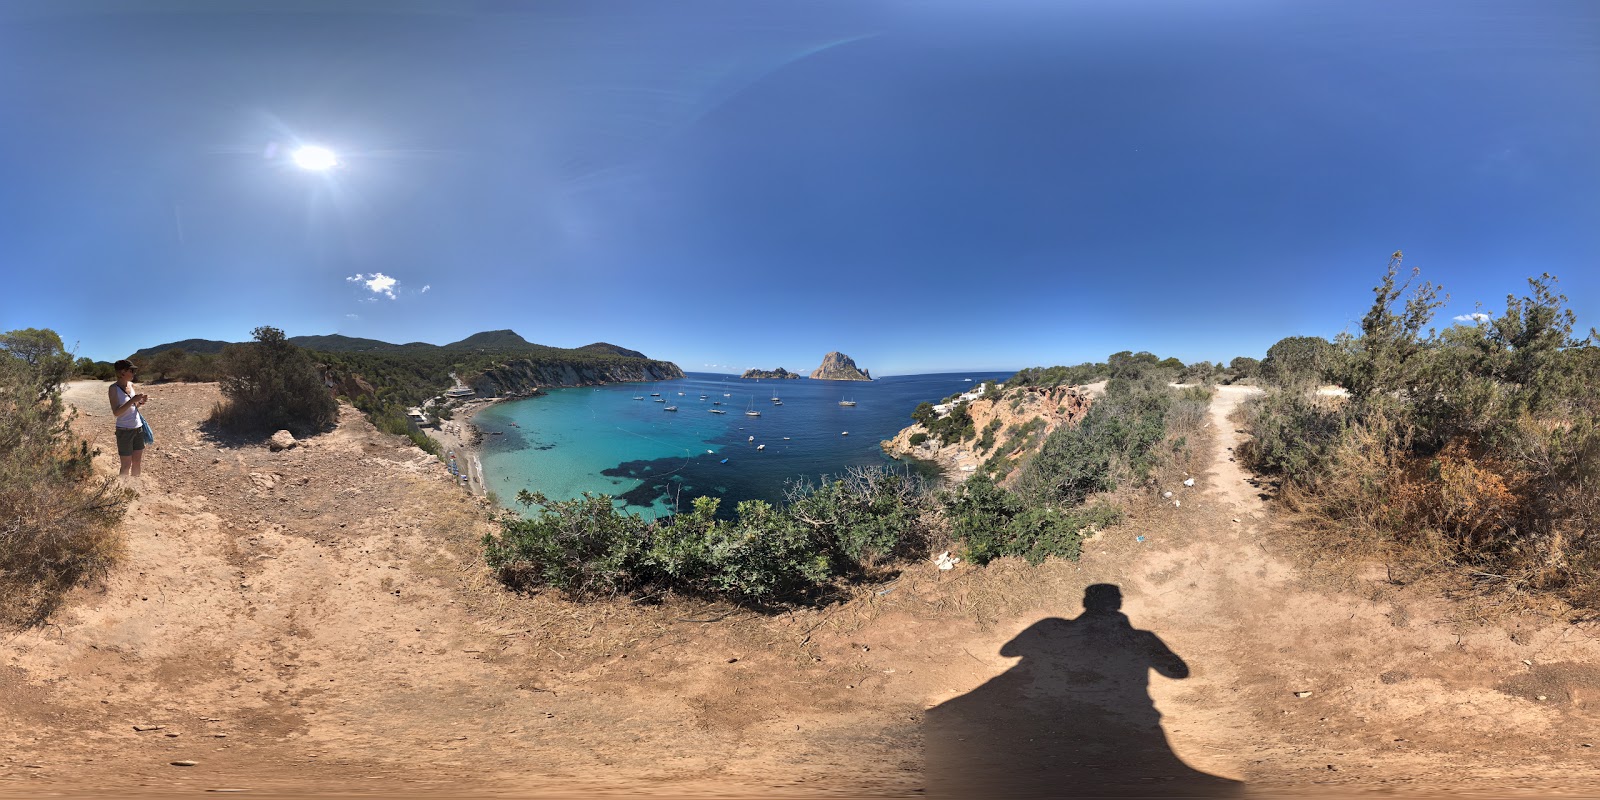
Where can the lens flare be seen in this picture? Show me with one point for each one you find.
(315, 158)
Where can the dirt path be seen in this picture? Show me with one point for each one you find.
(318, 620)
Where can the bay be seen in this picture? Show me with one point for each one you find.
(652, 461)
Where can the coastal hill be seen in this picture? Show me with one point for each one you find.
(606, 348)
(780, 372)
(493, 363)
(338, 343)
(837, 366)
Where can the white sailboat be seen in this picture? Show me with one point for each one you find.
(752, 412)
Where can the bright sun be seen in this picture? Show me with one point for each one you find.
(315, 158)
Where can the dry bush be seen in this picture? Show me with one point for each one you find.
(55, 535)
(57, 518)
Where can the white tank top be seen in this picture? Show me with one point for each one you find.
(129, 418)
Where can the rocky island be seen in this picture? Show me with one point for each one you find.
(837, 366)
(780, 372)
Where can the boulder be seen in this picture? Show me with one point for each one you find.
(282, 440)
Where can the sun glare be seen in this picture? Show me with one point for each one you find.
(315, 158)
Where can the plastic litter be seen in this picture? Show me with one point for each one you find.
(1138, 538)
(945, 561)
(1188, 482)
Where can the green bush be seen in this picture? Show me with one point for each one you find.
(1243, 368)
(1115, 442)
(836, 529)
(271, 385)
(986, 441)
(956, 426)
(918, 438)
(992, 522)
(1049, 377)
(760, 555)
(392, 419)
(583, 547)
(1292, 434)
(58, 520)
(868, 516)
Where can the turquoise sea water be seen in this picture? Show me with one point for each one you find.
(599, 439)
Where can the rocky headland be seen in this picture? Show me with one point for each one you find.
(1026, 416)
(780, 373)
(837, 366)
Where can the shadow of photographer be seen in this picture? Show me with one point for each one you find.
(1073, 718)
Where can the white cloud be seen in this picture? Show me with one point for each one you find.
(425, 288)
(354, 278)
(1478, 316)
(352, 316)
(382, 284)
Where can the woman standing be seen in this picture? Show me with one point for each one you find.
(125, 403)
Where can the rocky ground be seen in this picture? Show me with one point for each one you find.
(318, 621)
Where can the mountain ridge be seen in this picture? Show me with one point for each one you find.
(483, 341)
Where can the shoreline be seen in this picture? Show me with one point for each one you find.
(460, 437)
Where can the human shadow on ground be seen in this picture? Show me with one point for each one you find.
(1073, 718)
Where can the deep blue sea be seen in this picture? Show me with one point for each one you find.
(601, 440)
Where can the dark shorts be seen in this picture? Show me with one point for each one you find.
(129, 440)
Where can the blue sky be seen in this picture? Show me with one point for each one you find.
(926, 186)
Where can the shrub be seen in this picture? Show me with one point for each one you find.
(865, 517)
(583, 547)
(58, 521)
(1292, 434)
(391, 419)
(1476, 445)
(1244, 367)
(991, 522)
(839, 528)
(918, 438)
(761, 555)
(956, 426)
(270, 385)
(1048, 377)
(986, 441)
(1113, 443)
(1297, 361)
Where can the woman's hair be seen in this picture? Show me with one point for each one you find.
(122, 365)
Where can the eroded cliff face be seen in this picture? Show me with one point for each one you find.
(1015, 409)
(521, 377)
(837, 366)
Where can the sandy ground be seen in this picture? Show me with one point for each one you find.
(318, 621)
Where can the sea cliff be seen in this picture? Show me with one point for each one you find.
(837, 366)
(1009, 424)
(521, 376)
(780, 372)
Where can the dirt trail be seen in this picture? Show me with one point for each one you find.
(319, 620)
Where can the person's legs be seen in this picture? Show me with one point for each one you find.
(138, 455)
(127, 464)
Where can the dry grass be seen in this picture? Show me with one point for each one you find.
(54, 535)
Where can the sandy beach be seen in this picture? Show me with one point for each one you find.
(459, 437)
